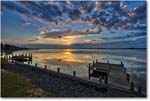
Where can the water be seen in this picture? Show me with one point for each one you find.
(69, 60)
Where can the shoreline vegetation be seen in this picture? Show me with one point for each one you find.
(15, 85)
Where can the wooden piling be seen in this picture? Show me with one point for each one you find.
(100, 79)
(132, 86)
(35, 64)
(93, 62)
(128, 77)
(28, 62)
(106, 79)
(122, 64)
(125, 70)
(96, 60)
(107, 61)
(74, 73)
(89, 70)
(45, 67)
(140, 89)
(58, 70)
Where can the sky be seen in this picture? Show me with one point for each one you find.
(90, 23)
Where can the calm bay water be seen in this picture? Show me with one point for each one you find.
(69, 60)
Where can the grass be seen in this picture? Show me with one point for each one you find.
(14, 85)
(4, 61)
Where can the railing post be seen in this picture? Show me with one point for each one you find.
(106, 79)
(89, 70)
(122, 64)
(96, 60)
(128, 77)
(28, 62)
(58, 70)
(35, 64)
(100, 79)
(45, 67)
(132, 86)
(93, 62)
(140, 89)
(74, 73)
(107, 61)
(125, 70)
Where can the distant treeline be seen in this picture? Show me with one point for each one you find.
(7, 47)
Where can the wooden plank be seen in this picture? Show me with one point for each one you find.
(117, 75)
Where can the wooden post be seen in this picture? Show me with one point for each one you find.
(140, 89)
(25, 54)
(128, 77)
(89, 71)
(35, 64)
(106, 79)
(100, 79)
(96, 60)
(89, 68)
(58, 70)
(28, 62)
(122, 64)
(125, 70)
(132, 86)
(74, 73)
(93, 62)
(9, 57)
(45, 67)
(107, 61)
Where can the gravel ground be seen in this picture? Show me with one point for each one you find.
(56, 83)
(65, 85)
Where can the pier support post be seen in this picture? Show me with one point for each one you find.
(9, 57)
(45, 67)
(96, 60)
(35, 64)
(106, 79)
(122, 64)
(93, 62)
(140, 89)
(132, 86)
(128, 77)
(89, 70)
(100, 79)
(28, 62)
(125, 70)
(107, 61)
(58, 70)
(25, 54)
(74, 73)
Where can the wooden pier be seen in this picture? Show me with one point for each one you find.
(108, 73)
(20, 57)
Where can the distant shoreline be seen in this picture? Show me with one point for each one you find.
(93, 48)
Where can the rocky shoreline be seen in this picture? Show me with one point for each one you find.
(64, 85)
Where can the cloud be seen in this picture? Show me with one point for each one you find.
(60, 34)
(112, 15)
(138, 12)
